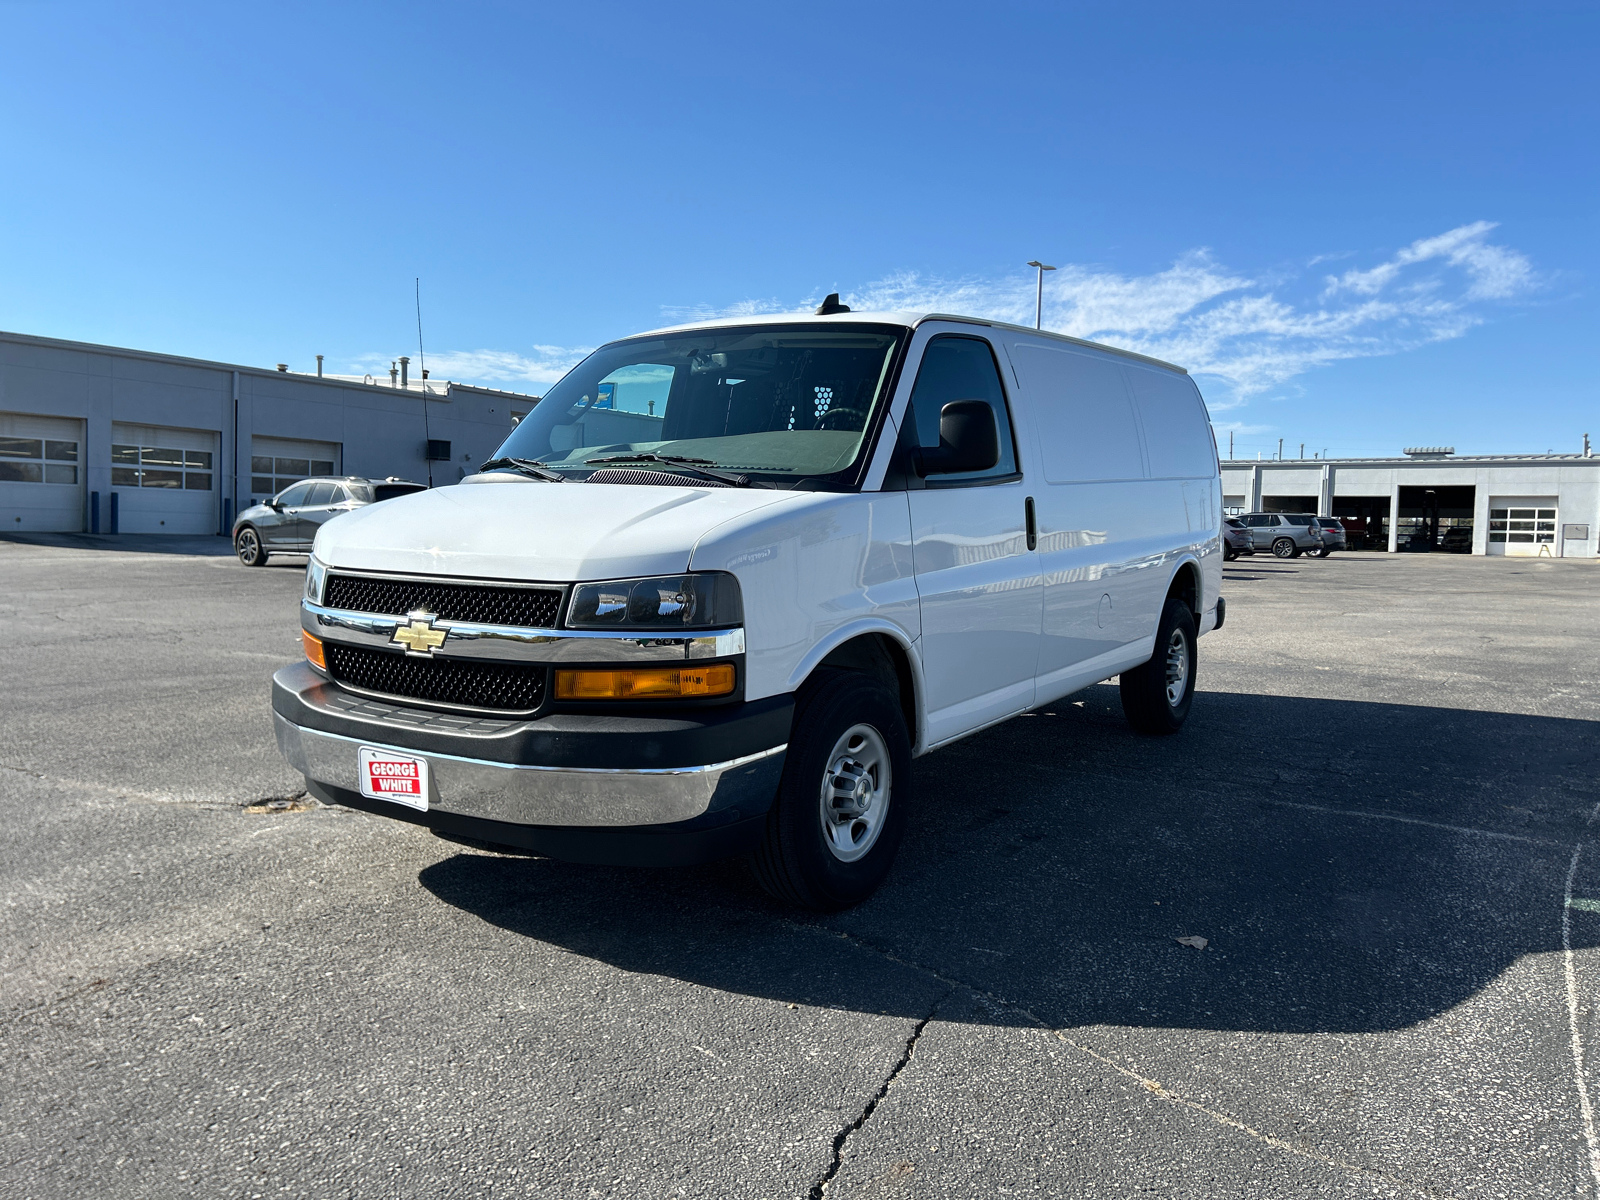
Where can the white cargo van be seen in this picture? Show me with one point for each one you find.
(726, 580)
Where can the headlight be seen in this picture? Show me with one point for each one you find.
(316, 573)
(708, 600)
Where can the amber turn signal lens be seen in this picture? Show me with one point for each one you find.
(654, 683)
(313, 648)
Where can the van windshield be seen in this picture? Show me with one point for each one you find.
(783, 402)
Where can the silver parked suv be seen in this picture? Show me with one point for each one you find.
(1333, 537)
(288, 522)
(1286, 535)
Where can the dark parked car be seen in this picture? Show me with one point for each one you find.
(288, 522)
(1333, 537)
(1235, 539)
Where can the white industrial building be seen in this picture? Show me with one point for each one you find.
(100, 439)
(1543, 505)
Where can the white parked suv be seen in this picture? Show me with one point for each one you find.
(726, 580)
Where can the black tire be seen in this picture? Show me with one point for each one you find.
(1145, 699)
(795, 861)
(247, 545)
(1228, 553)
(1285, 548)
(1324, 552)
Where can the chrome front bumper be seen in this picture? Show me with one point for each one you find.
(550, 796)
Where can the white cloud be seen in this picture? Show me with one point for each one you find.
(1248, 334)
(1495, 272)
(1252, 334)
(542, 367)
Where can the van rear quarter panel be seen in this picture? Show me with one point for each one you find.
(816, 570)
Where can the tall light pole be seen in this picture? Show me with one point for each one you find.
(1038, 296)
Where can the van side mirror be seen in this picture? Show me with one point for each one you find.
(968, 440)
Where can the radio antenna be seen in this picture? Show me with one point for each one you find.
(422, 365)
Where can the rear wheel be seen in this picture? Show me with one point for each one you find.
(1324, 552)
(1156, 697)
(247, 545)
(1285, 548)
(1228, 553)
(840, 811)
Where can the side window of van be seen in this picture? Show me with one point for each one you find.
(960, 368)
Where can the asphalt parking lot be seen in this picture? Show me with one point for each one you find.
(1376, 816)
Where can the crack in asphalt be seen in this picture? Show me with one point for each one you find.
(1232, 1122)
(840, 1139)
(1156, 1089)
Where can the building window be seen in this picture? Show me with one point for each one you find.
(269, 475)
(158, 467)
(1525, 525)
(38, 460)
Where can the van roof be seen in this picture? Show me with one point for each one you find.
(909, 319)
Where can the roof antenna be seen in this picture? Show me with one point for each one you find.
(831, 305)
(422, 365)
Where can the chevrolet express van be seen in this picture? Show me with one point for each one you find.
(726, 580)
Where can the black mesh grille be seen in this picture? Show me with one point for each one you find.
(502, 687)
(485, 604)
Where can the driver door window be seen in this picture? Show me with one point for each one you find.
(283, 528)
(960, 368)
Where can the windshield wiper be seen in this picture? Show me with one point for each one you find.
(527, 466)
(709, 471)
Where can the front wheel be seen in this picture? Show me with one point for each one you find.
(840, 811)
(1285, 548)
(247, 545)
(1156, 696)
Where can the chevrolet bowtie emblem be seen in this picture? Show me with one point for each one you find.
(420, 637)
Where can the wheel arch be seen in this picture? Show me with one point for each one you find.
(880, 649)
(1185, 585)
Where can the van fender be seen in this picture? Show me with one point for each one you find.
(857, 628)
(1188, 557)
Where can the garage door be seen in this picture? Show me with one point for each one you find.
(41, 473)
(1523, 526)
(165, 479)
(275, 463)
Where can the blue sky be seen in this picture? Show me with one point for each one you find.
(1362, 229)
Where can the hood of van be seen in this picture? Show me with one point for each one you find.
(517, 528)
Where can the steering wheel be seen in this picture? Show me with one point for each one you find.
(860, 418)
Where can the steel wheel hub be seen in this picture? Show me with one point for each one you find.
(1177, 667)
(855, 793)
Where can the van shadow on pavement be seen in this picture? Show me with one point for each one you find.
(1054, 860)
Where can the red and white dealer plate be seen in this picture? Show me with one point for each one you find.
(386, 775)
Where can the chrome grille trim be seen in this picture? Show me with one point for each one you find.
(506, 643)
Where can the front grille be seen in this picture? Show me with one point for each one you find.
(500, 687)
(485, 604)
